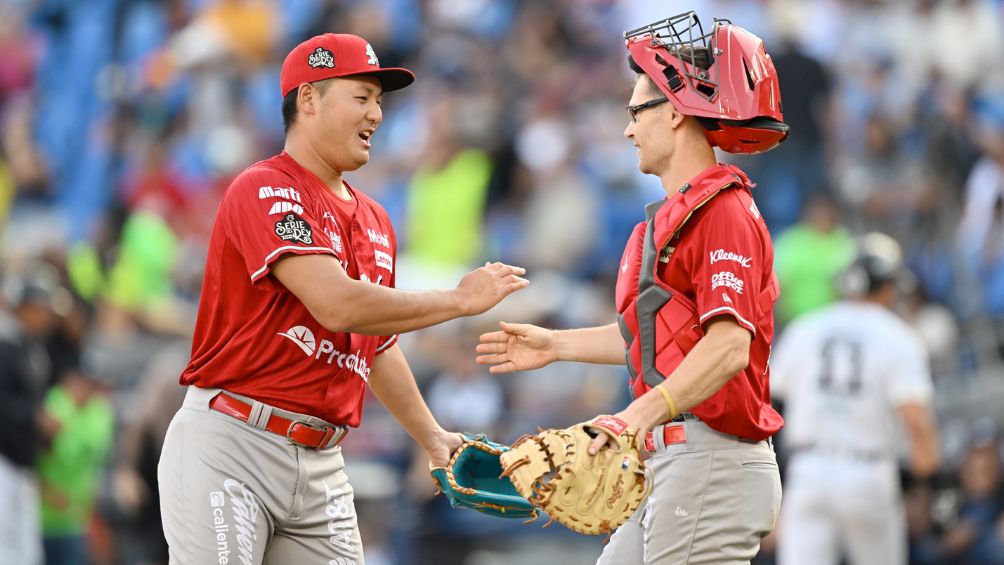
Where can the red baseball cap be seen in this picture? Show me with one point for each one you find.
(337, 55)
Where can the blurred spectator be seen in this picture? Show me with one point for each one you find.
(29, 304)
(808, 257)
(447, 194)
(969, 540)
(69, 471)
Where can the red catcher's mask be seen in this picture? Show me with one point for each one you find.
(724, 78)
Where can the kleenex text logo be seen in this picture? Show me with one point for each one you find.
(723, 255)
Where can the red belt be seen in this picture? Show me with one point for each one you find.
(297, 431)
(670, 435)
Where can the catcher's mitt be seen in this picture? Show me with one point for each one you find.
(591, 494)
(473, 480)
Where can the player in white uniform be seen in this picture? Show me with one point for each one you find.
(852, 376)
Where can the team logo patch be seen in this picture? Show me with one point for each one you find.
(727, 279)
(321, 58)
(371, 57)
(294, 228)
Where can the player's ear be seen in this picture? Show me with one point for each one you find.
(675, 117)
(307, 98)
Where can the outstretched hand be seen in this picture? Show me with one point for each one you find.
(518, 347)
(481, 289)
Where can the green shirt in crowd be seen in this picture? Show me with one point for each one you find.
(445, 209)
(71, 469)
(807, 261)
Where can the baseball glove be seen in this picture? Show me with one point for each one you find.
(590, 494)
(473, 480)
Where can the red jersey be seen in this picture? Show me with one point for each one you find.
(721, 261)
(253, 336)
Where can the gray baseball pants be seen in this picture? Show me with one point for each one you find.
(234, 494)
(715, 497)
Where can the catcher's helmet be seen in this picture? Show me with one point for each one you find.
(879, 261)
(724, 78)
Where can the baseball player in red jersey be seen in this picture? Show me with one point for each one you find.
(695, 294)
(298, 314)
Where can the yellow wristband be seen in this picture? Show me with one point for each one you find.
(669, 401)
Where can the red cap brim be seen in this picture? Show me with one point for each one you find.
(392, 78)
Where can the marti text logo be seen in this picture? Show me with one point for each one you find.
(304, 339)
(723, 255)
(289, 193)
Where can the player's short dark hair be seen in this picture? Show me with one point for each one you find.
(289, 109)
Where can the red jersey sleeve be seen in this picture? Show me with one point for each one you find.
(265, 215)
(724, 254)
(386, 342)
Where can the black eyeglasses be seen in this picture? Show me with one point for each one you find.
(633, 110)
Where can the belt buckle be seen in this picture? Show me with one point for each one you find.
(328, 432)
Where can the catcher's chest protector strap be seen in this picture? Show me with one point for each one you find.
(642, 297)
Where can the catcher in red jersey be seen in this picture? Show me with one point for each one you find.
(695, 293)
(298, 315)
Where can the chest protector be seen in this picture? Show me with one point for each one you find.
(659, 324)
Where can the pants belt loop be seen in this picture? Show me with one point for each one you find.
(659, 437)
(260, 414)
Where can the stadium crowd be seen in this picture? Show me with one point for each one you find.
(122, 121)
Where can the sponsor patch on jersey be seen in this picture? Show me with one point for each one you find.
(304, 339)
(384, 260)
(294, 228)
(288, 192)
(321, 57)
(727, 279)
(282, 206)
(377, 237)
(723, 255)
